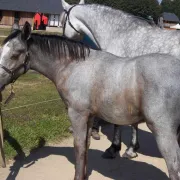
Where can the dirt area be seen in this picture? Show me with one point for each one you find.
(56, 162)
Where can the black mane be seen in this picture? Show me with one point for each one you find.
(59, 46)
(55, 45)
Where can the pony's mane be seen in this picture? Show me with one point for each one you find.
(59, 46)
(54, 45)
(109, 10)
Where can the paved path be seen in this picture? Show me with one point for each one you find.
(57, 162)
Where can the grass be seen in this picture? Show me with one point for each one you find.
(47, 33)
(27, 127)
(1, 40)
(5, 31)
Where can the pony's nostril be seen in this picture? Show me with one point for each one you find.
(2, 87)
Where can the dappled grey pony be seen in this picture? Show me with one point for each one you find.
(121, 34)
(122, 91)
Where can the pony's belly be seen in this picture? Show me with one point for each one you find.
(121, 115)
(123, 120)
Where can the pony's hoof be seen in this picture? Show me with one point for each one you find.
(130, 155)
(95, 135)
(109, 154)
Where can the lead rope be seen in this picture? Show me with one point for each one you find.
(2, 155)
(11, 96)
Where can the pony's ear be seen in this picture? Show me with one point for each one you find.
(82, 2)
(26, 31)
(65, 5)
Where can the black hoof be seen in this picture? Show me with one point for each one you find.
(110, 153)
(137, 146)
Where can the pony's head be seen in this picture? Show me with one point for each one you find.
(73, 27)
(71, 30)
(14, 56)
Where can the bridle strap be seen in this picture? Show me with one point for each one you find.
(6, 69)
(12, 73)
(68, 19)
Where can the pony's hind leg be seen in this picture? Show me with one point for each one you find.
(166, 137)
(115, 147)
(79, 122)
(134, 146)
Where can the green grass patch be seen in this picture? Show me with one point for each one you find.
(47, 33)
(5, 31)
(27, 121)
(1, 40)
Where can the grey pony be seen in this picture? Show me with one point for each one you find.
(92, 83)
(121, 34)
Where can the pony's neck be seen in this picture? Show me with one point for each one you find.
(106, 23)
(51, 54)
(100, 20)
(43, 63)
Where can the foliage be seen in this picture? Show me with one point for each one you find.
(176, 7)
(166, 6)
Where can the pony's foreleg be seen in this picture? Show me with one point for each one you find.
(79, 122)
(88, 141)
(134, 146)
(115, 147)
(166, 137)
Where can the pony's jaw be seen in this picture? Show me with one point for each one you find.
(4, 51)
(71, 33)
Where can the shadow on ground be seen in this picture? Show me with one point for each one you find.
(148, 145)
(118, 168)
(115, 169)
(20, 158)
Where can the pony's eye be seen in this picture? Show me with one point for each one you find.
(15, 56)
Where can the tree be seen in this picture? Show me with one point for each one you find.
(176, 7)
(167, 6)
(144, 8)
(172, 6)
